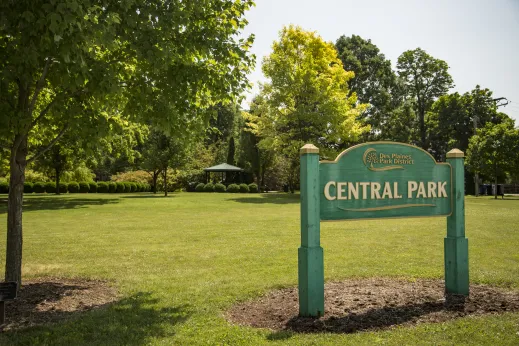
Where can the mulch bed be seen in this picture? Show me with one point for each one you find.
(372, 304)
(51, 300)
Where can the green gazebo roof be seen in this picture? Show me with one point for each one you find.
(223, 167)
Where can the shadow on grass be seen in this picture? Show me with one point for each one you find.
(158, 195)
(130, 321)
(54, 202)
(272, 198)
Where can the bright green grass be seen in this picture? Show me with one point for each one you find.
(179, 262)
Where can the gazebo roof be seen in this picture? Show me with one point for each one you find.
(223, 167)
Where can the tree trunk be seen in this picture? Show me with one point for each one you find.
(422, 128)
(165, 176)
(495, 181)
(155, 177)
(18, 162)
(57, 180)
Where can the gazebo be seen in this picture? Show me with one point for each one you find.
(223, 168)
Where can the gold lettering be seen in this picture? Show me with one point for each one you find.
(341, 193)
(353, 190)
(375, 190)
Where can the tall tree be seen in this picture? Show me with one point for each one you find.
(66, 64)
(494, 150)
(425, 78)
(375, 83)
(308, 97)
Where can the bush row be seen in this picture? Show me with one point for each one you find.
(81, 187)
(233, 188)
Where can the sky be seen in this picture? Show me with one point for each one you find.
(479, 39)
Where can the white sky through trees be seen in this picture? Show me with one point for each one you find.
(479, 39)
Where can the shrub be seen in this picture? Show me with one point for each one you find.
(4, 187)
(244, 188)
(50, 187)
(253, 188)
(127, 187)
(27, 187)
(209, 187)
(63, 187)
(38, 187)
(134, 176)
(112, 187)
(233, 188)
(134, 187)
(84, 187)
(219, 188)
(200, 187)
(102, 187)
(73, 187)
(93, 187)
(147, 188)
(121, 187)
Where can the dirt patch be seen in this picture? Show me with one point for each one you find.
(372, 304)
(50, 300)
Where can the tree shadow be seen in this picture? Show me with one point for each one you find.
(55, 202)
(269, 198)
(373, 319)
(158, 195)
(129, 321)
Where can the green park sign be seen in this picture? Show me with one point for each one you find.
(379, 180)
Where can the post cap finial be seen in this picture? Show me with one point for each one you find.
(309, 149)
(455, 153)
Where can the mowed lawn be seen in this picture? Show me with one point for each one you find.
(180, 262)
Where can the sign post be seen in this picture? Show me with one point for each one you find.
(310, 254)
(372, 181)
(456, 246)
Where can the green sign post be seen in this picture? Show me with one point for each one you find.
(379, 180)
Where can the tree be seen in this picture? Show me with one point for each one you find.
(425, 78)
(494, 150)
(85, 64)
(160, 153)
(374, 82)
(307, 98)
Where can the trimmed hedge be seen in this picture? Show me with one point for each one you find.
(73, 187)
(112, 187)
(244, 188)
(233, 188)
(200, 187)
(63, 187)
(102, 187)
(127, 187)
(219, 188)
(38, 187)
(4, 187)
(50, 187)
(133, 187)
(27, 187)
(84, 187)
(209, 187)
(253, 188)
(93, 187)
(121, 187)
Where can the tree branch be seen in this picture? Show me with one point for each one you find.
(43, 112)
(60, 134)
(39, 85)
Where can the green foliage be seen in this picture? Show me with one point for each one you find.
(132, 176)
(4, 186)
(27, 187)
(200, 187)
(33, 176)
(102, 187)
(79, 173)
(133, 187)
(121, 187)
(50, 187)
(127, 186)
(233, 188)
(112, 187)
(209, 187)
(63, 187)
(425, 78)
(92, 187)
(84, 187)
(38, 187)
(219, 188)
(73, 187)
(253, 188)
(244, 188)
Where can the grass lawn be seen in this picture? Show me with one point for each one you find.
(180, 261)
